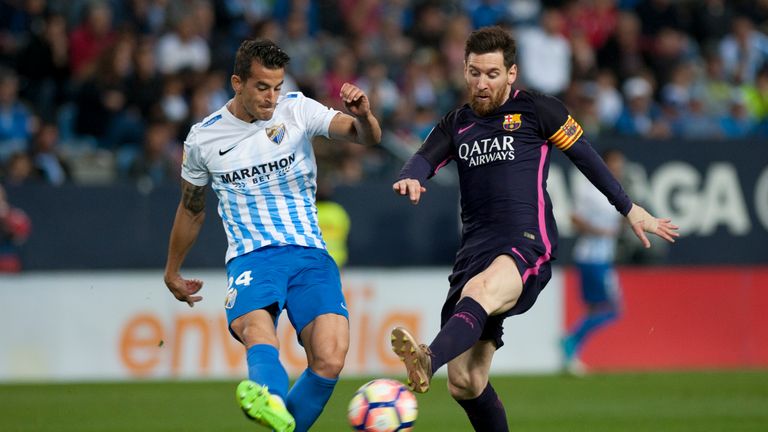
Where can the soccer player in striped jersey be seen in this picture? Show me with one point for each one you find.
(598, 226)
(501, 141)
(257, 154)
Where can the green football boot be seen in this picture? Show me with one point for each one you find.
(263, 407)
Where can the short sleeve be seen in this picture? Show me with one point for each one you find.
(556, 124)
(193, 169)
(315, 116)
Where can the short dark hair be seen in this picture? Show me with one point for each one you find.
(264, 51)
(491, 39)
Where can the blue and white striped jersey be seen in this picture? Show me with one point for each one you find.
(591, 205)
(264, 173)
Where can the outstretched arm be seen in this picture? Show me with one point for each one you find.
(593, 167)
(186, 227)
(360, 127)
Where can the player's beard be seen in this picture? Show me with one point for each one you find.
(485, 106)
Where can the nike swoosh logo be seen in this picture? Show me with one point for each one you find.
(464, 129)
(222, 153)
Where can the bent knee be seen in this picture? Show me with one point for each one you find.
(329, 364)
(465, 386)
(494, 296)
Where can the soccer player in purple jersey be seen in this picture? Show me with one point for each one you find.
(501, 142)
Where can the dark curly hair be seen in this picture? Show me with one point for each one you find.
(264, 51)
(491, 39)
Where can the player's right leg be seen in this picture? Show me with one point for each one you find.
(261, 397)
(256, 295)
(469, 386)
(263, 407)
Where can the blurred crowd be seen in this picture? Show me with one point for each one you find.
(106, 90)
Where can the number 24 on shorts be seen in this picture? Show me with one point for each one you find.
(244, 279)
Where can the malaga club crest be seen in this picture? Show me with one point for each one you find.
(512, 122)
(276, 133)
(229, 301)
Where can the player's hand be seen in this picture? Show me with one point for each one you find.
(355, 100)
(184, 289)
(409, 187)
(643, 222)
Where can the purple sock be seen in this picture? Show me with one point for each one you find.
(461, 331)
(486, 412)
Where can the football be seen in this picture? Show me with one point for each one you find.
(382, 405)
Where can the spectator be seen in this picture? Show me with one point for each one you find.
(183, 49)
(671, 47)
(660, 14)
(216, 84)
(738, 123)
(711, 20)
(696, 122)
(381, 91)
(16, 122)
(676, 96)
(144, 83)
(307, 62)
(609, 103)
(44, 64)
(431, 19)
(595, 19)
(757, 96)
(159, 162)
(15, 227)
(744, 51)
(392, 46)
(343, 69)
(581, 100)
(641, 116)
(452, 48)
(173, 105)
(714, 87)
(102, 100)
(545, 55)
(19, 170)
(17, 19)
(363, 17)
(89, 40)
(487, 12)
(46, 157)
(623, 52)
(334, 223)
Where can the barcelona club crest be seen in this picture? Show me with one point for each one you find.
(570, 129)
(276, 133)
(512, 122)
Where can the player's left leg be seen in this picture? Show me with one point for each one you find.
(317, 309)
(469, 385)
(326, 341)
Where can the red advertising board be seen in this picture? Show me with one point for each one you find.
(681, 318)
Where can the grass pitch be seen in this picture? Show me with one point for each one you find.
(669, 402)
